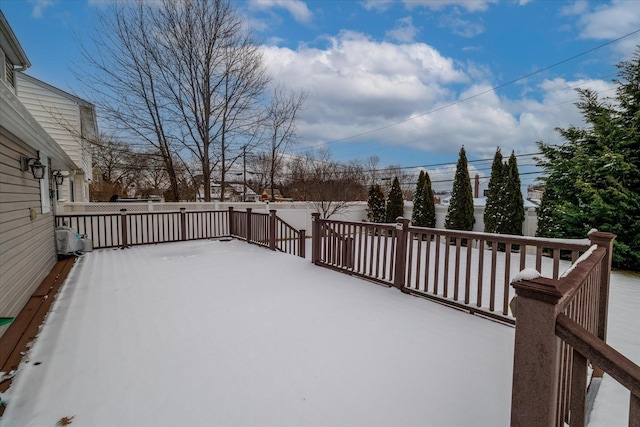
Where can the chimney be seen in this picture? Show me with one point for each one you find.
(476, 187)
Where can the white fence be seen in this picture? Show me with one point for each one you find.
(297, 214)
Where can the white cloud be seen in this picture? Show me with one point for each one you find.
(39, 6)
(461, 27)
(412, 96)
(468, 5)
(404, 32)
(576, 8)
(610, 21)
(377, 5)
(297, 8)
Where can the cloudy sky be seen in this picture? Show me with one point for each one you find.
(407, 81)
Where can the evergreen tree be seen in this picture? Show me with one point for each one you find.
(376, 209)
(460, 212)
(395, 202)
(513, 214)
(424, 209)
(593, 180)
(418, 218)
(429, 203)
(493, 212)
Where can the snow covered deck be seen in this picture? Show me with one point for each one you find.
(205, 333)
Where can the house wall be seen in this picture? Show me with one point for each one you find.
(65, 121)
(27, 246)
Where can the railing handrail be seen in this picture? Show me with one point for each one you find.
(166, 212)
(126, 228)
(570, 283)
(573, 306)
(286, 224)
(545, 242)
(600, 353)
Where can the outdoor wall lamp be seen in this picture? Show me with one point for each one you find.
(37, 168)
(58, 177)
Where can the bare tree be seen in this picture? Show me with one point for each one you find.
(184, 77)
(213, 75)
(126, 81)
(280, 125)
(329, 186)
(258, 166)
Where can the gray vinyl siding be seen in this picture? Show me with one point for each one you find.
(27, 247)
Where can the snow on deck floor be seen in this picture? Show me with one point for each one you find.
(215, 333)
(224, 333)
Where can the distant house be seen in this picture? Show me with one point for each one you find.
(233, 192)
(535, 193)
(277, 196)
(27, 241)
(71, 121)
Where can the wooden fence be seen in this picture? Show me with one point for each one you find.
(124, 229)
(468, 270)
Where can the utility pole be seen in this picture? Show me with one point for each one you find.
(244, 173)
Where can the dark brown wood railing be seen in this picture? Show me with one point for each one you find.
(468, 270)
(561, 326)
(109, 230)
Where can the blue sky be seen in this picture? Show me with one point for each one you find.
(400, 79)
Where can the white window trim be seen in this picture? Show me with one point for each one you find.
(45, 200)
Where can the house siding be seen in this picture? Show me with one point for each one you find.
(66, 121)
(27, 247)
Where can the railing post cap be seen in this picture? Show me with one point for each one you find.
(541, 289)
(183, 210)
(404, 221)
(123, 211)
(601, 235)
(315, 215)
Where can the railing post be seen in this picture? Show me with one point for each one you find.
(605, 240)
(536, 354)
(272, 229)
(401, 253)
(231, 225)
(315, 238)
(301, 244)
(183, 224)
(123, 224)
(249, 225)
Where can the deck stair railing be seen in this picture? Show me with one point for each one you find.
(124, 229)
(468, 270)
(267, 229)
(561, 328)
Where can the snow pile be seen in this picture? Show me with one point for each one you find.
(526, 274)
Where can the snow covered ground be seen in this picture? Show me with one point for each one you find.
(223, 333)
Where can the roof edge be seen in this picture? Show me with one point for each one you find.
(11, 45)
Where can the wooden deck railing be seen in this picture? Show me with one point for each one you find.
(109, 230)
(468, 270)
(267, 230)
(561, 326)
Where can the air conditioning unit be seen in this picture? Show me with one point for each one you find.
(68, 241)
